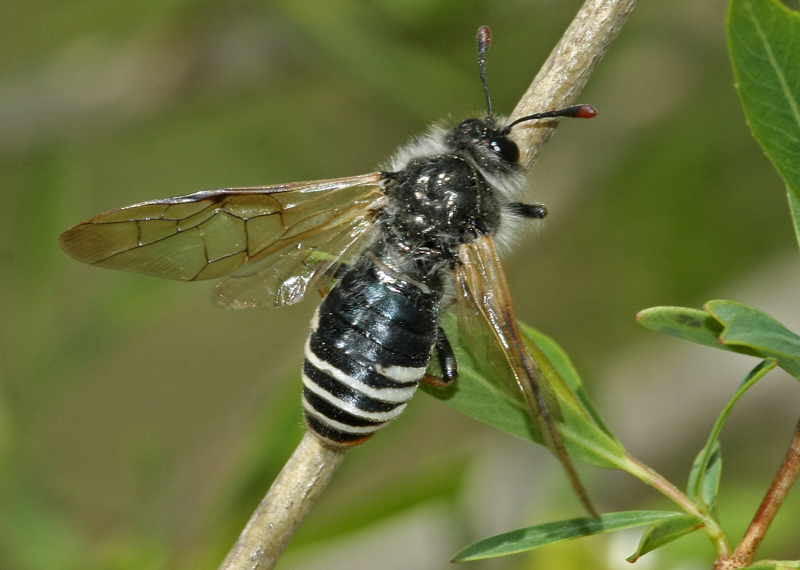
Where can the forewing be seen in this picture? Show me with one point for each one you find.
(486, 317)
(214, 233)
(285, 274)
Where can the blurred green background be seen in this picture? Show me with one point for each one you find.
(140, 424)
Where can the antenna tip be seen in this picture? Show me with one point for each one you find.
(584, 112)
(484, 37)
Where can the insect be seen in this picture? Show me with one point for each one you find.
(391, 251)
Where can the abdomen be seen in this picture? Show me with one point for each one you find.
(370, 345)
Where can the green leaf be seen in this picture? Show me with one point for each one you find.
(794, 208)
(751, 329)
(499, 404)
(664, 532)
(763, 36)
(547, 350)
(526, 539)
(693, 325)
(730, 326)
(704, 478)
(705, 475)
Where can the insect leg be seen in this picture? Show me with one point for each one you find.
(533, 211)
(447, 362)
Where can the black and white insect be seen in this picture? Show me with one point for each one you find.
(391, 251)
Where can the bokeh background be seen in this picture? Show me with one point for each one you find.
(140, 424)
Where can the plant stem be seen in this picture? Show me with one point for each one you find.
(568, 69)
(658, 482)
(288, 501)
(787, 474)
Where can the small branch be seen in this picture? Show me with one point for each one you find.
(657, 481)
(787, 474)
(567, 70)
(288, 501)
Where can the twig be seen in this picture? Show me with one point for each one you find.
(306, 474)
(288, 501)
(787, 474)
(567, 70)
(660, 484)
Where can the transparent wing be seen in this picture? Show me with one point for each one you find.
(276, 241)
(285, 274)
(487, 319)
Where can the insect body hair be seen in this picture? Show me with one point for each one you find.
(508, 185)
(428, 145)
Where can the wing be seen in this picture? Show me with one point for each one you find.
(274, 241)
(484, 299)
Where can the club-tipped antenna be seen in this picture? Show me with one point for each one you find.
(576, 111)
(484, 41)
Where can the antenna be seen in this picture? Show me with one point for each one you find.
(484, 41)
(576, 111)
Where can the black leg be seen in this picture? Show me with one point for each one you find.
(534, 211)
(447, 362)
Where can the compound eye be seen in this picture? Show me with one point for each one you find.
(505, 148)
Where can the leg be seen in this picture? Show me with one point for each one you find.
(447, 362)
(534, 211)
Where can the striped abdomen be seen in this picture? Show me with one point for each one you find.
(369, 347)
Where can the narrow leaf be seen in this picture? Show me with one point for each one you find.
(664, 532)
(704, 477)
(530, 538)
(562, 363)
